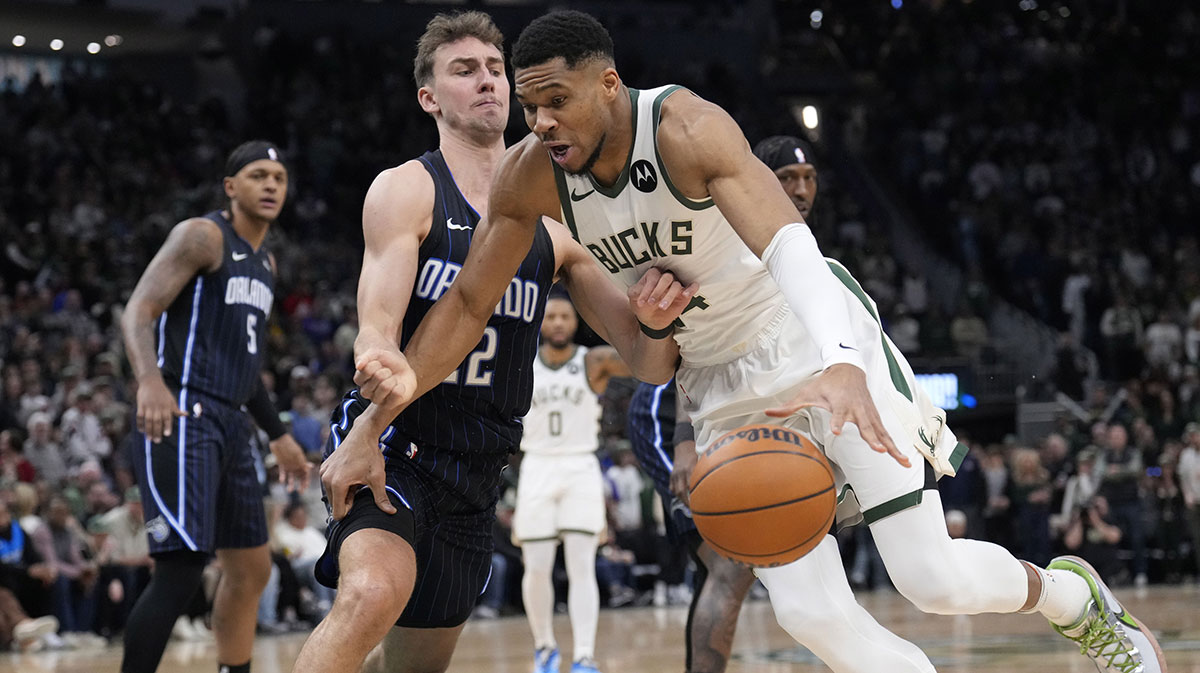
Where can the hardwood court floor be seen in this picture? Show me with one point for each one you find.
(650, 640)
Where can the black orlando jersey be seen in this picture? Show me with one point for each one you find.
(478, 408)
(211, 338)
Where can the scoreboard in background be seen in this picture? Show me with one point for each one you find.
(944, 390)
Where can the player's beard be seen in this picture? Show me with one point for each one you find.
(591, 160)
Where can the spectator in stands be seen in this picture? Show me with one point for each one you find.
(74, 588)
(83, 439)
(124, 561)
(1092, 534)
(303, 545)
(1163, 342)
(1120, 473)
(13, 465)
(1030, 493)
(1121, 327)
(24, 570)
(43, 452)
(969, 332)
(1189, 485)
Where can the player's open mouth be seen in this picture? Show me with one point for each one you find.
(558, 152)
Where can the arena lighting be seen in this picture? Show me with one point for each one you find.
(93, 47)
(112, 40)
(809, 116)
(897, 4)
(18, 40)
(815, 18)
(56, 44)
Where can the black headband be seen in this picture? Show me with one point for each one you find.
(779, 151)
(249, 152)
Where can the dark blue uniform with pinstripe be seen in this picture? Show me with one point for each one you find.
(444, 453)
(651, 435)
(199, 487)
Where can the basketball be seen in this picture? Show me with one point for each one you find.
(763, 495)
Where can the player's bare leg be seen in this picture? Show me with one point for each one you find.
(405, 650)
(712, 618)
(244, 574)
(378, 570)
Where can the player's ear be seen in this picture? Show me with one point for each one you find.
(228, 184)
(426, 100)
(610, 82)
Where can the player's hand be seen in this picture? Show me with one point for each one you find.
(294, 468)
(842, 389)
(382, 373)
(657, 299)
(156, 408)
(681, 471)
(357, 462)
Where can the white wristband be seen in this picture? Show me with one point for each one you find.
(814, 293)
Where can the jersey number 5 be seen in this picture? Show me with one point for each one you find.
(476, 376)
(252, 333)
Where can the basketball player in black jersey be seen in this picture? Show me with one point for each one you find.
(666, 448)
(411, 553)
(194, 332)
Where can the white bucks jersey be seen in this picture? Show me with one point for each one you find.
(643, 221)
(565, 414)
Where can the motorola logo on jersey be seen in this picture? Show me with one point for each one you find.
(643, 176)
(520, 297)
(249, 291)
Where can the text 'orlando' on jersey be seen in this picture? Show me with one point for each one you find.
(212, 337)
(480, 405)
(644, 221)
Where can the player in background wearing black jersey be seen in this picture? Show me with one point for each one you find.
(412, 552)
(194, 332)
(665, 446)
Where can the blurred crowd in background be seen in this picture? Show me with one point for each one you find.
(1079, 207)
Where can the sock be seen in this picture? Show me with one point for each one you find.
(537, 590)
(226, 668)
(1064, 597)
(583, 595)
(176, 579)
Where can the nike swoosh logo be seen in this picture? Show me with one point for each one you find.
(451, 225)
(849, 348)
(580, 197)
(239, 256)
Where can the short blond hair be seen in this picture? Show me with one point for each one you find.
(447, 28)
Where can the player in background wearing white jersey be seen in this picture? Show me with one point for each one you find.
(560, 494)
(800, 351)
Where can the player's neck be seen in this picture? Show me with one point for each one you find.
(252, 229)
(473, 161)
(618, 142)
(556, 355)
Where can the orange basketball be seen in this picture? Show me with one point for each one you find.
(763, 495)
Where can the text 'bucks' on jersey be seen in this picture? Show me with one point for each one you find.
(644, 221)
(212, 337)
(565, 414)
(478, 408)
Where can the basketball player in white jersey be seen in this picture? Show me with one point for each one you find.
(560, 495)
(664, 179)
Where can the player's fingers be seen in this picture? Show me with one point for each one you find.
(691, 290)
(364, 361)
(379, 492)
(665, 281)
(650, 282)
(838, 422)
(179, 412)
(669, 295)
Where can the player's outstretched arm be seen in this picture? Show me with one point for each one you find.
(706, 153)
(193, 246)
(521, 192)
(655, 301)
(397, 215)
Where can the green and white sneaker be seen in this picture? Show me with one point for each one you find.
(1107, 634)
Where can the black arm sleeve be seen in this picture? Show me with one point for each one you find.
(263, 411)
